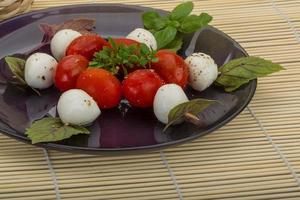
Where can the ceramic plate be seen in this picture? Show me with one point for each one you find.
(122, 129)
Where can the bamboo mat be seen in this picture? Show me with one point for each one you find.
(256, 156)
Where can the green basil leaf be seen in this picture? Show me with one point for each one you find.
(193, 107)
(178, 22)
(193, 22)
(123, 57)
(176, 44)
(174, 23)
(165, 36)
(113, 44)
(154, 59)
(134, 58)
(143, 61)
(16, 66)
(52, 129)
(152, 20)
(240, 71)
(93, 63)
(182, 10)
(206, 18)
(144, 49)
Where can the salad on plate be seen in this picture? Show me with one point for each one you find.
(142, 70)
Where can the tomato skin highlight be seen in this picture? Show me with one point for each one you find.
(140, 87)
(68, 70)
(86, 45)
(125, 41)
(102, 85)
(171, 67)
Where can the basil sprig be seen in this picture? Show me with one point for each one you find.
(242, 70)
(121, 57)
(169, 30)
(52, 129)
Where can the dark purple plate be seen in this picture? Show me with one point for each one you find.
(125, 128)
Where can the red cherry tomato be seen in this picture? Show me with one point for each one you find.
(86, 45)
(68, 70)
(171, 67)
(104, 87)
(125, 41)
(140, 87)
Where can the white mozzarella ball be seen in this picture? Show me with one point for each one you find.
(39, 70)
(203, 71)
(61, 41)
(76, 107)
(143, 36)
(167, 97)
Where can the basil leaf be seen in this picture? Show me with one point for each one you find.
(113, 44)
(206, 18)
(121, 56)
(240, 71)
(174, 23)
(175, 45)
(193, 22)
(52, 129)
(193, 107)
(165, 36)
(16, 66)
(82, 25)
(154, 59)
(152, 20)
(182, 10)
(179, 21)
(144, 49)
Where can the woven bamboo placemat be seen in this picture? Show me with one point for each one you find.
(256, 156)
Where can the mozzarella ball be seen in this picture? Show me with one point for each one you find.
(203, 71)
(167, 97)
(39, 70)
(61, 41)
(143, 36)
(76, 107)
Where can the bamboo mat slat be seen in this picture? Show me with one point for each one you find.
(255, 156)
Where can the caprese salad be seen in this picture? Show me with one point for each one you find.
(95, 73)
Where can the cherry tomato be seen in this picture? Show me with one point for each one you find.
(125, 41)
(140, 87)
(68, 70)
(171, 67)
(104, 87)
(86, 45)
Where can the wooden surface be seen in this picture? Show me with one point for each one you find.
(256, 156)
(10, 8)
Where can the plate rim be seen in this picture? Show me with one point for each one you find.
(93, 150)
